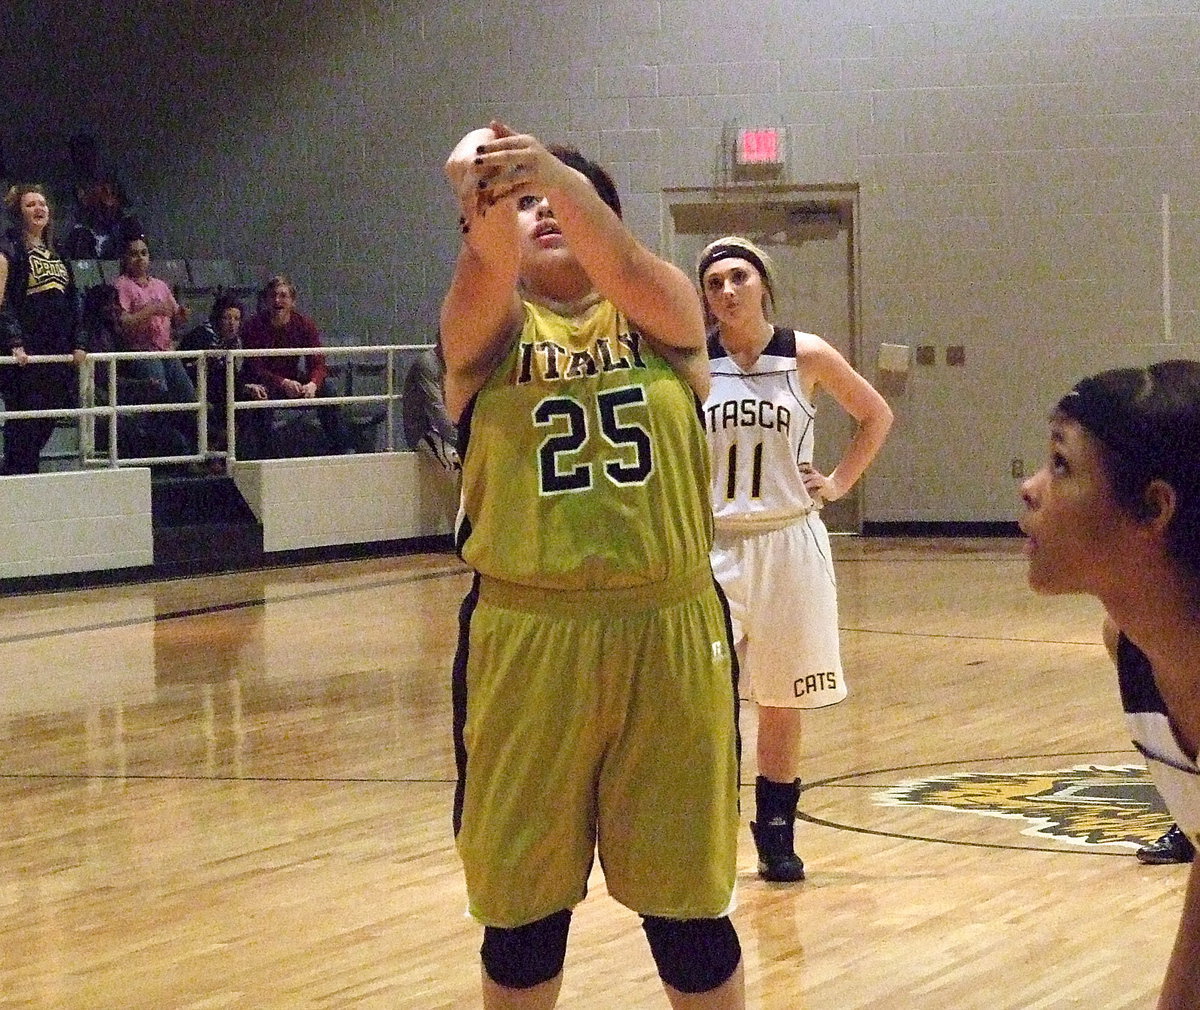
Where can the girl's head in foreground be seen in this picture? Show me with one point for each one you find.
(736, 278)
(1121, 486)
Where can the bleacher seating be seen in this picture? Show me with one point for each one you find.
(174, 272)
(195, 281)
(208, 275)
(251, 276)
(87, 273)
(198, 305)
(366, 378)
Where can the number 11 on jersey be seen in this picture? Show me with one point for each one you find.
(731, 473)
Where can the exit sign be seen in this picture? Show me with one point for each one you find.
(759, 145)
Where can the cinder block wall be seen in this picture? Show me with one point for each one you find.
(1012, 163)
(332, 500)
(75, 522)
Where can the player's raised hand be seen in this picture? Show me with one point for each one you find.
(464, 174)
(512, 164)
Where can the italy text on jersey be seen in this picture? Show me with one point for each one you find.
(551, 362)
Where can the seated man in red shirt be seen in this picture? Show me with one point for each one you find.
(289, 376)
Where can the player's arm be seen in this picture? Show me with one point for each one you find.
(656, 296)
(1181, 987)
(481, 310)
(820, 364)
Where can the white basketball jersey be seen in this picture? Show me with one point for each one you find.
(760, 430)
(1175, 774)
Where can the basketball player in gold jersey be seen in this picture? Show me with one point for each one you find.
(594, 694)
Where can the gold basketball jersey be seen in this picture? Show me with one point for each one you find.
(584, 460)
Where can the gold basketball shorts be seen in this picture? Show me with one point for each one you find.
(596, 722)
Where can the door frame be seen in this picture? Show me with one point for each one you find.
(831, 208)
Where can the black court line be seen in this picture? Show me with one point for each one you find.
(444, 573)
(1065, 850)
(176, 615)
(1048, 756)
(274, 779)
(967, 638)
(833, 781)
(840, 781)
(991, 556)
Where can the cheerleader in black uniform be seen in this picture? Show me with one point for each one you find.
(40, 316)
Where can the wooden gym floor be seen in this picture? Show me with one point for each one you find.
(234, 792)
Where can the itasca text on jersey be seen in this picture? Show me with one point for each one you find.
(749, 413)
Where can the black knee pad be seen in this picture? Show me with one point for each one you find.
(528, 955)
(693, 955)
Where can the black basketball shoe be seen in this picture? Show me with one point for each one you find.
(777, 859)
(1173, 847)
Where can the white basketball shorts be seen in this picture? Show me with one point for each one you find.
(783, 602)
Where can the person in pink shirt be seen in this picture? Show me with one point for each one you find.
(148, 311)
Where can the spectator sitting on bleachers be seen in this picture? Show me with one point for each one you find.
(148, 310)
(221, 332)
(218, 333)
(289, 376)
(38, 315)
(138, 435)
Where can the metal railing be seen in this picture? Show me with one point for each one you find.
(89, 410)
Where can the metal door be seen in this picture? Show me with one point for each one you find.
(810, 237)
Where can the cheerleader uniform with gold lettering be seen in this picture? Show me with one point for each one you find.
(42, 317)
(594, 677)
(771, 551)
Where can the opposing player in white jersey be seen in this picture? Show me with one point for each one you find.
(771, 550)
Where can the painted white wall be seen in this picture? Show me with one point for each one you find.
(75, 521)
(321, 501)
